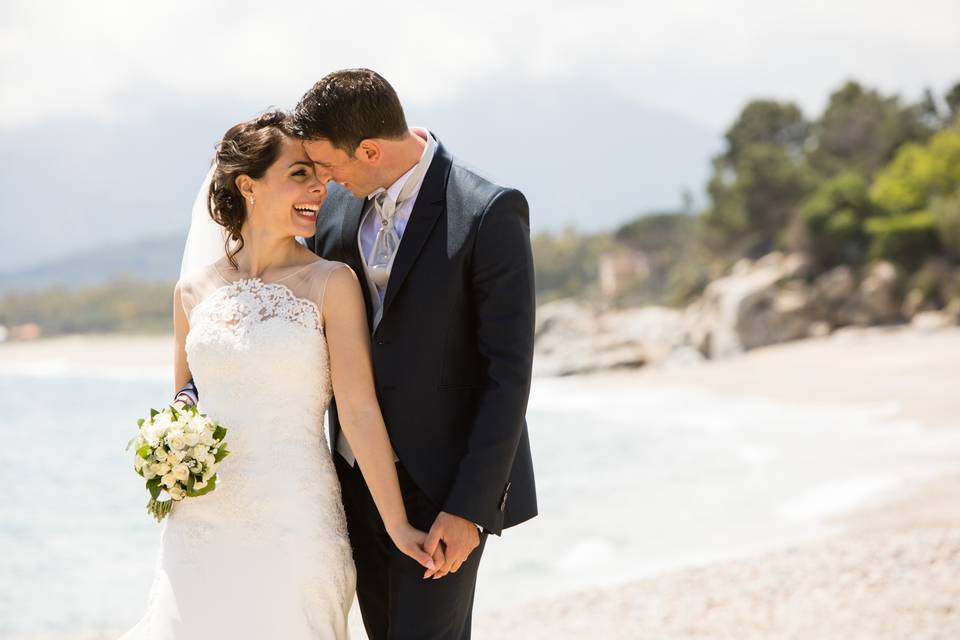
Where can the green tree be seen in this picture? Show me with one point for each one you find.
(759, 179)
(862, 130)
(780, 124)
(946, 219)
(919, 173)
(566, 264)
(952, 99)
(834, 215)
(914, 194)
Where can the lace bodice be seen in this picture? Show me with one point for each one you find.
(257, 347)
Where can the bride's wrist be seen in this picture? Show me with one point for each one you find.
(395, 526)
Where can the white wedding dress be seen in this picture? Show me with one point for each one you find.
(266, 554)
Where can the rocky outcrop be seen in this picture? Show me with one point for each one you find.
(767, 301)
(757, 304)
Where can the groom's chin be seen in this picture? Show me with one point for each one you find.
(356, 192)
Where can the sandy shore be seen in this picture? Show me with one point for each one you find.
(894, 575)
(893, 572)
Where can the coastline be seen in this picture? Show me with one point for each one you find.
(886, 571)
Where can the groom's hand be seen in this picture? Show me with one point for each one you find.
(459, 537)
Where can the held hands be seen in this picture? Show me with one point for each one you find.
(410, 541)
(459, 537)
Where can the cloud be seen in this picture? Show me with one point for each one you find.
(698, 58)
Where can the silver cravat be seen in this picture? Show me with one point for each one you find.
(387, 242)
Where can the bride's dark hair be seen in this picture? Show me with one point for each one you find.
(248, 148)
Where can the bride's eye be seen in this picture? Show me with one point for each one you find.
(301, 172)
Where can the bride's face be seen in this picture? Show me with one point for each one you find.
(289, 195)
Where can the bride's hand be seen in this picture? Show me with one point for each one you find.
(410, 541)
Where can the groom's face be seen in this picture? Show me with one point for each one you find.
(335, 164)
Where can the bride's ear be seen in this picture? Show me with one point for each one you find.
(245, 186)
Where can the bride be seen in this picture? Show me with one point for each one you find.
(268, 332)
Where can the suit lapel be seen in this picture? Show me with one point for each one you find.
(426, 212)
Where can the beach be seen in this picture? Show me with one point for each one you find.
(891, 572)
(797, 547)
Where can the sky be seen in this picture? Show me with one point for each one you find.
(120, 66)
(702, 59)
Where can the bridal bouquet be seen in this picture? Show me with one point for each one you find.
(177, 453)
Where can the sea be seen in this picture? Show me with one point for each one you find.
(633, 480)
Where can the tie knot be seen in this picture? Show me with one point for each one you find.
(385, 205)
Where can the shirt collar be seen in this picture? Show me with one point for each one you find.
(393, 191)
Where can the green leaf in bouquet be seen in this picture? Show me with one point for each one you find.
(221, 453)
(211, 485)
(173, 412)
(191, 479)
(219, 432)
(153, 413)
(154, 487)
(140, 422)
(145, 451)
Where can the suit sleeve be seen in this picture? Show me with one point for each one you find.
(503, 295)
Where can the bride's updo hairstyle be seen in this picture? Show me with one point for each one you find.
(248, 148)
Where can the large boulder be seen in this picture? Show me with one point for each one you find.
(878, 294)
(658, 329)
(759, 303)
(570, 338)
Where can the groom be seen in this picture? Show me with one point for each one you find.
(446, 262)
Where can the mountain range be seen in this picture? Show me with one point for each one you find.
(79, 197)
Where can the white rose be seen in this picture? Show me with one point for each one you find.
(175, 439)
(160, 468)
(207, 437)
(138, 463)
(168, 480)
(160, 454)
(180, 472)
(162, 422)
(148, 472)
(191, 438)
(200, 452)
(151, 434)
(177, 493)
(210, 460)
(199, 484)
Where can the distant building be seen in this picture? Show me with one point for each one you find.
(619, 270)
(29, 331)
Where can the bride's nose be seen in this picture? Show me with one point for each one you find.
(319, 187)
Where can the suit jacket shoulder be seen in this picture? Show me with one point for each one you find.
(472, 191)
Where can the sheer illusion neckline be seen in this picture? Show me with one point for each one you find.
(280, 279)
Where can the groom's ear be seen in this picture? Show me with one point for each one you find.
(370, 151)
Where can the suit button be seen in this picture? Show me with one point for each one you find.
(382, 342)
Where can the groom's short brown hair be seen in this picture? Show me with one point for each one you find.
(347, 107)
